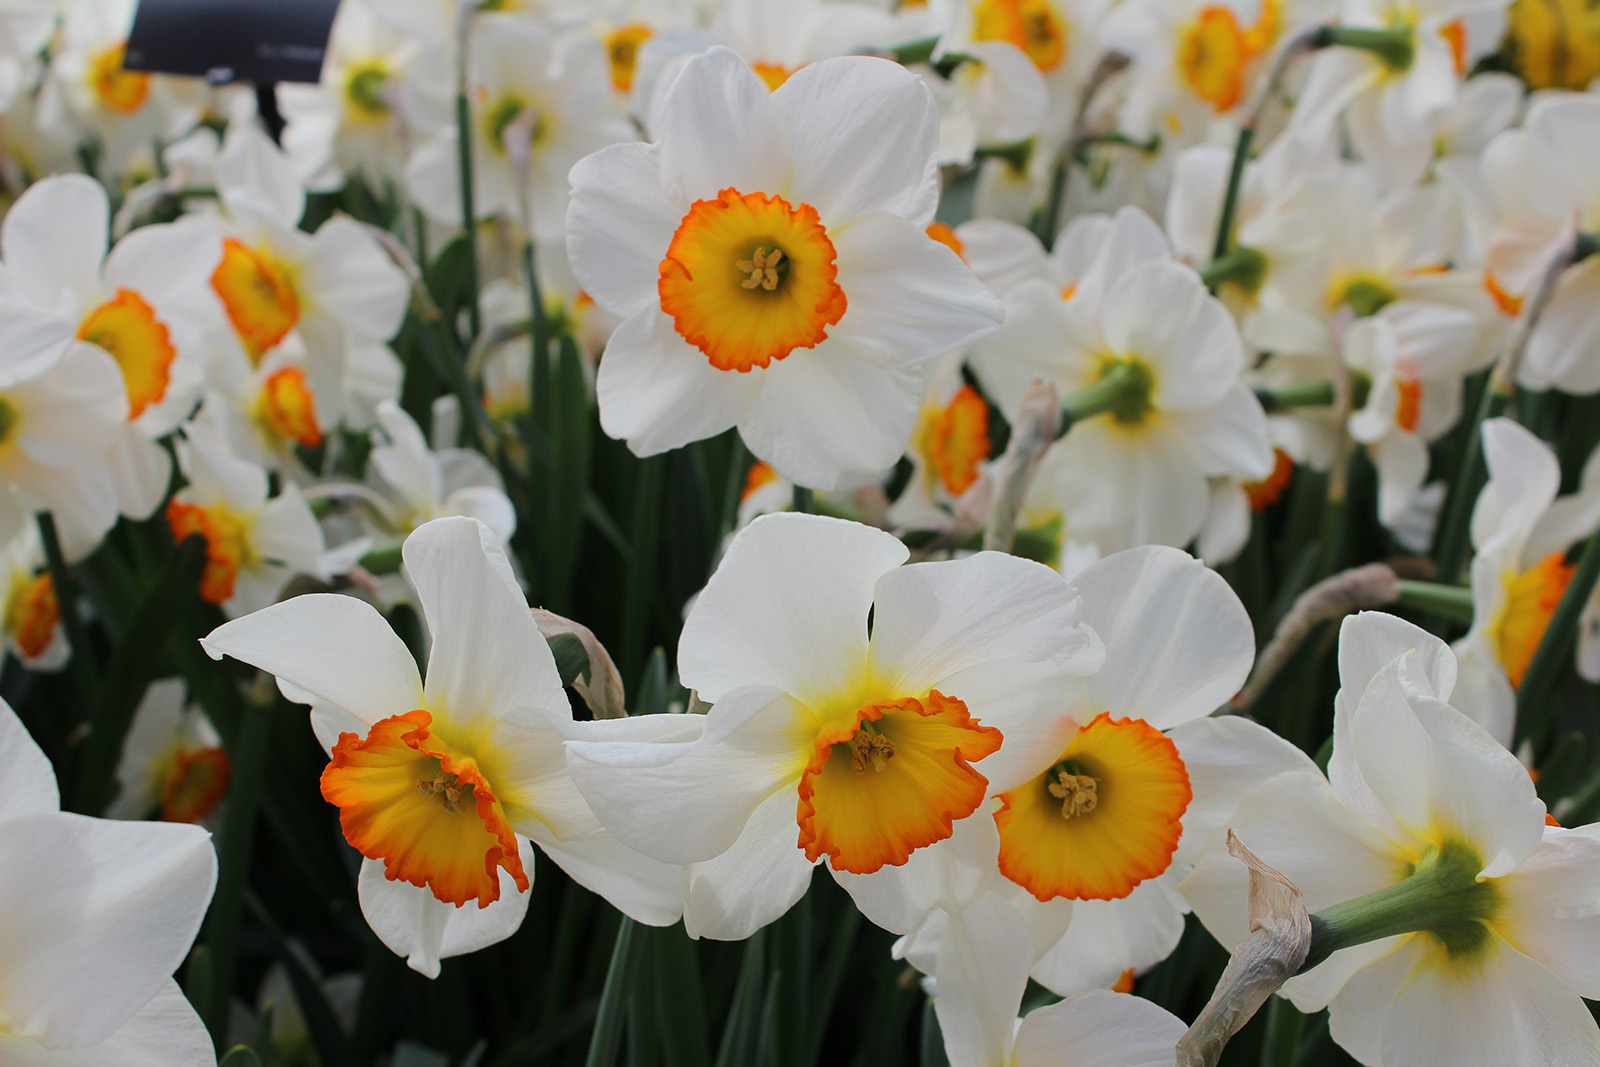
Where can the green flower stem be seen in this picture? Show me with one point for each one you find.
(539, 389)
(1452, 601)
(1554, 653)
(1393, 46)
(469, 212)
(83, 664)
(1451, 550)
(1120, 385)
(804, 501)
(915, 51)
(1283, 398)
(1442, 897)
(1230, 198)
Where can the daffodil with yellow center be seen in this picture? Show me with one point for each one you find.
(825, 742)
(769, 262)
(441, 783)
(115, 88)
(1462, 926)
(1038, 27)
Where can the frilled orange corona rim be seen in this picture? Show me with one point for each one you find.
(1213, 54)
(1531, 599)
(287, 407)
(749, 278)
(954, 439)
(1105, 817)
(891, 779)
(195, 785)
(1408, 404)
(1032, 25)
(227, 538)
(126, 326)
(407, 798)
(117, 88)
(622, 49)
(1267, 492)
(258, 294)
(32, 614)
(947, 236)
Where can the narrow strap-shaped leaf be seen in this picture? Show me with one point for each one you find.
(607, 1039)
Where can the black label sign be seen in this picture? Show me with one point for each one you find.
(261, 41)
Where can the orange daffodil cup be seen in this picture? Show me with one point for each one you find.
(862, 711)
(769, 262)
(442, 783)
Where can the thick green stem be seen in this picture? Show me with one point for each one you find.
(1452, 601)
(1282, 398)
(1122, 388)
(83, 664)
(1555, 647)
(1393, 46)
(1442, 897)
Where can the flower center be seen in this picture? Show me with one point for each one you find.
(1531, 598)
(622, 48)
(408, 798)
(1213, 52)
(918, 752)
(1367, 294)
(748, 278)
(954, 439)
(1032, 25)
(126, 326)
(258, 293)
(119, 90)
(195, 784)
(32, 614)
(227, 537)
(1105, 817)
(1554, 43)
(499, 117)
(364, 90)
(287, 409)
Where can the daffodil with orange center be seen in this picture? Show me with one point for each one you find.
(1214, 55)
(30, 614)
(442, 783)
(1522, 533)
(253, 544)
(1127, 775)
(826, 743)
(769, 264)
(1038, 27)
(1413, 356)
(173, 764)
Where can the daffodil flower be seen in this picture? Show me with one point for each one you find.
(829, 739)
(817, 353)
(1502, 908)
(95, 915)
(441, 784)
(1521, 532)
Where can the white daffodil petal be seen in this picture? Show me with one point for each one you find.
(687, 802)
(1161, 598)
(334, 647)
(787, 607)
(28, 786)
(488, 659)
(1103, 1028)
(759, 878)
(981, 973)
(98, 916)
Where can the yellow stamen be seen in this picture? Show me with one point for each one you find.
(1077, 793)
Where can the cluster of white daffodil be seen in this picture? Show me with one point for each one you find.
(992, 311)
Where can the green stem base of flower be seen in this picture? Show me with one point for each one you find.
(1442, 897)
